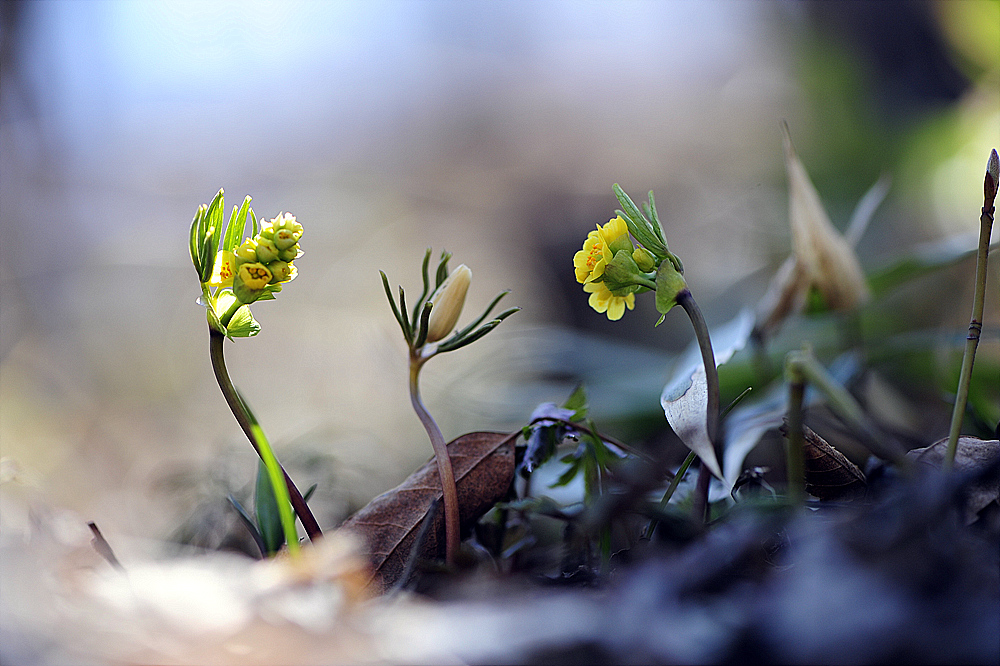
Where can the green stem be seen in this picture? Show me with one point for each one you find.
(686, 301)
(449, 491)
(795, 464)
(975, 326)
(244, 418)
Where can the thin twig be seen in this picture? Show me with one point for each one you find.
(103, 548)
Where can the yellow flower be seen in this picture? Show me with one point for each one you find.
(224, 271)
(602, 300)
(254, 276)
(599, 249)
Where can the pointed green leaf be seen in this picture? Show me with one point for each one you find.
(465, 331)
(195, 241)
(392, 304)
(249, 523)
(442, 269)
(237, 225)
(268, 517)
(427, 285)
(577, 401)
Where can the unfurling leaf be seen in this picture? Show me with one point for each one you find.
(484, 468)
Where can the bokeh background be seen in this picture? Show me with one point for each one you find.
(491, 129)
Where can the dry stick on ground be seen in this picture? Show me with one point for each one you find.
(103, 548)
(976, 325)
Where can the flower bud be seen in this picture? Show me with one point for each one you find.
(281, 271)
(289, 254)
(224, 271)
(267, 251)
(448, 301)
(247, 251)
(644, 259)
(992, 180)
(284, 239)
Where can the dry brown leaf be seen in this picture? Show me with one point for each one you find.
(821, 257)
(973, 454)
(484, 469)
(829, 475)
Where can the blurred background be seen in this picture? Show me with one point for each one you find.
(493, 130)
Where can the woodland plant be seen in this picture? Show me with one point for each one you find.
(613, 270)
(234, 272)
(427, 330)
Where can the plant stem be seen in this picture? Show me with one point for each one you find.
(239, 410)
(795, 465)
(686, 301)
(449, 490)
(976, 325)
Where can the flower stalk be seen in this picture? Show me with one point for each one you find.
(990, 183)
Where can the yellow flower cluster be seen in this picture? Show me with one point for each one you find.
(262, 260)
(590, 262)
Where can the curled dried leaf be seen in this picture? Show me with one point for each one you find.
(822, 259)
(389, 524)
(829, 474)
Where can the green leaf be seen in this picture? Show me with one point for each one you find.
(194, 240)
(207, 255)
(577, 401)
(925, 260)
(427, 285)
(465, 331)
(669, 284)
(452, 345)
(442, 269)
(249, 523)
(237, 225)
(268, 517)
(566, 477)
(253, 223)
(243, 325)
(392, 304)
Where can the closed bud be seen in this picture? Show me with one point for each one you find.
(992, 176)
(284, 239)
(644, 259)
(281, 271)
(267, 251)
(290, 253)
(247, 251)
(448, 301)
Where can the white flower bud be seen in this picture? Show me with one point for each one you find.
(448, 301)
